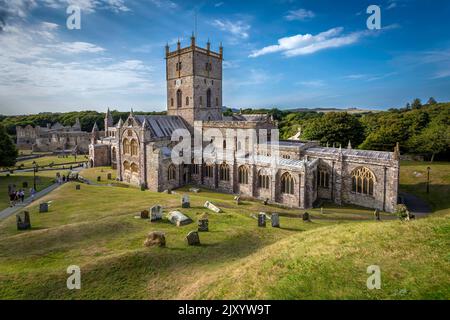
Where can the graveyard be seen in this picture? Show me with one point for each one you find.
(121, 256)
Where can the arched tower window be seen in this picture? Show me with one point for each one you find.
(263, 180)
(126, 146)
(134, 147)
(363, 181)
(243, 175)
(287, 183)
(208, 98)
(179, 98)
(224, 172)
(171, 172)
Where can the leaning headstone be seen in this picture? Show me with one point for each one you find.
(306, 217)
(262, 219)
(179, 219)
(156, 213)
(266, 201)
(376, 215)
(275, 220)
(77, 186)
(195, 190)
(185, 201)
(144, 214)
(203, 223)
(43, 207)
(23, 220)
(193, 239)
(238, 200)
(211, 206)
(109, 176)
(155, 238)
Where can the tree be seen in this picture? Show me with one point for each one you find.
(433, 140)
(416, 104)
(8, 150)
(431, 101)
(335, 127)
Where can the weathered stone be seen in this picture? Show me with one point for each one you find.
(99, 179)
(156, 213)
(237, 199)
(306, 217)
(266, 201)
(155, 238)
(376, 215)
(203, 224)
(185, 201)
(109, 176)
(23, 220)
(211, 206)
(195, 190)
(275, 218)
(193, 238)
(179, 219)
(144, 214)
(77, 187)
(43, 207)
(262, 219)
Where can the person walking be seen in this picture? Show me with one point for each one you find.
(32, 193)
(22, 195)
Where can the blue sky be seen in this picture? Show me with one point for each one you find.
(278, 53)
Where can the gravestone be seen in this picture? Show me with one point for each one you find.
(266, 201)
(211, 206)
(306, 217)
(144, 214)
(77, 186)
(193, 239)
(155, 238)
(275, 220)
(179, 219)
(25, 184)
(185, 201)
(109, 176)
(23, 220)
(195, 190)
(238, 200)
(156, 213)
(376, 215)
(99, 179)
(43, 207)
(262, 219)
(203, 223)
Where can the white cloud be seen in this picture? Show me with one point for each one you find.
(391, 5)
(164, 3)
(218, 4)
(75, 47)
(312, 83)
(308, 43)
(299, 14)
(238, 29)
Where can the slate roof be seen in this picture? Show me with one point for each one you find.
(162, 126)
(382, 155)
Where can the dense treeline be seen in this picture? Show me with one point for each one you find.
(422, 129)
(87, 119)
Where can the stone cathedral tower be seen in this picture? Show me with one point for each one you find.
(194, 82)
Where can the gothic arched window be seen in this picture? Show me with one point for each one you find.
(126, 166)
(324, 178)
(243, 175)
(287, 183)
(134, 168)
(171, 172)
(208, 98)
(209, 170)
(126, 146)
(134, 147)
(179, 97)
(263, 180)
(224, 172)
(363, 181)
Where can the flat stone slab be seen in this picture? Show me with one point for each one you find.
(179, 219)
(212, 207)
(195, 190)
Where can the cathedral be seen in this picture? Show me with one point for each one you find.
(293, 173)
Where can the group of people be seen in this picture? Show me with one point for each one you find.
(18, 195)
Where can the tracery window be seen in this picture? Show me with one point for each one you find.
(243, 175)
(171, 172)
(287, 183)
(363, 181)
(224, 172)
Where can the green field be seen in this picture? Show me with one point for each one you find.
(47, 160)
(43, 180)
(95, 229)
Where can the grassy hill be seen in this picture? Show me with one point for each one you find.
(95, 229)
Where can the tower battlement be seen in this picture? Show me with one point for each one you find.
(193, 47)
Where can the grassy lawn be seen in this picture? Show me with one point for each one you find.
(102, 172)
(43, 180)
(95, 229)
(47, 160)
(413, 179)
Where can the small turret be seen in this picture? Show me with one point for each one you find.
(167, 49)
(208, 46)
(120, 123)
(193, 40)
(178, 45)
(77, 125)
(109, 122)
(349, 146)
(94, 133)
(397, 151)
(221, 50)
